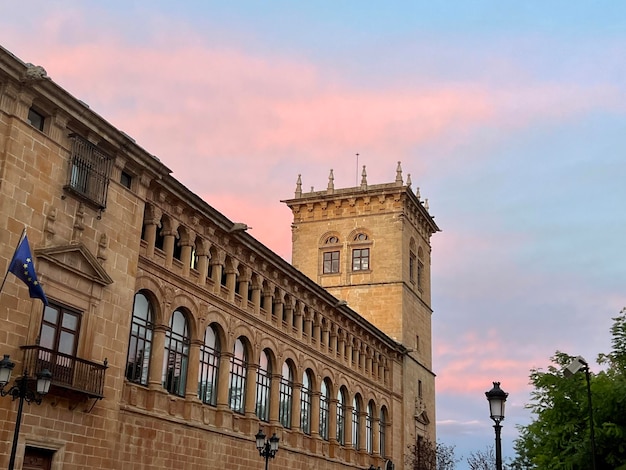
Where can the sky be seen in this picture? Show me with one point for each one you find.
(509, 117)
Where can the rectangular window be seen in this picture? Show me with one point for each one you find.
(419, 389)
(126, 180)
(360, 259)
(331, 262)
(412, 260)
(36, 119)
(89, 172)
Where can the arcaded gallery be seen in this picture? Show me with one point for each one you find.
(169, 337)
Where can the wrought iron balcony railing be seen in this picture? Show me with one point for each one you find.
(68, 372)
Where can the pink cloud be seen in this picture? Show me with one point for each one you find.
(473, 361)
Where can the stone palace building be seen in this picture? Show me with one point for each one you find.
(173, 335)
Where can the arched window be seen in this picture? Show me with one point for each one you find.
(382, 429)
(369, 428)
(341, 417)
(176, 357)
(285, 396)
(305, 403)
(140, 341)
(263, 387)
(356, 423)
(237, 378)
(209, 367)
(324, 406)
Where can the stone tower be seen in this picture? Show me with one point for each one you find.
(370, 247)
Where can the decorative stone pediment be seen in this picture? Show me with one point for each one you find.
(423, 417)
(78, 259)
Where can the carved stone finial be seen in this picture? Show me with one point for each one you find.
(426, 204)
(408, 180)
(299, 186)
(399, 174)
(331, 181)
(417, 193)
(364, 178)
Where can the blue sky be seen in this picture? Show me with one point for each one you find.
(509, 116)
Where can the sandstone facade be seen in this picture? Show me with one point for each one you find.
(173, 335)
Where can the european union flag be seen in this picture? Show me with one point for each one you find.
(22, 266)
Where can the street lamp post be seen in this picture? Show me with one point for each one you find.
(22, 392)
(497, 398)
(267, 448)
(576, 365)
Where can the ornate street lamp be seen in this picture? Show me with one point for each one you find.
(267, 449)
(497, 398)
(21, 391)
(572, 368)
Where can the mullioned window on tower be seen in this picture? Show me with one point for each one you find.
(331, 262)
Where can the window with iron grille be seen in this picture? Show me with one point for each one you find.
(305, 404)
(263, 387)
(356, 423)
(286, 396)
(369, 429)
(209, 367)
(89, 172)
(382, 428)
(237, 379)
(324, 409)
(140, 341)
(341, 417)
(176, 357)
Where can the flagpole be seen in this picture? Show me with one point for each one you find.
(12, 258)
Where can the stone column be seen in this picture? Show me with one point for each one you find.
(250, 393)
(332, 343)
(298, 321)
(169, 238)
(275, 398)
(348, 358)
(151, 221)
(186, 243)
(332, 420)
(348, 429)
(203, 263)
(191, 390)
(296, 406)
(223, 381)
(256, 298)
(315, 414)
(155, 380)
(231, 282)
(217, 265)
(375, 436)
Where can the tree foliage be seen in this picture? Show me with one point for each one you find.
(559, 437)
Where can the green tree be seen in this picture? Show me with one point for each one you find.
(559, 437)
